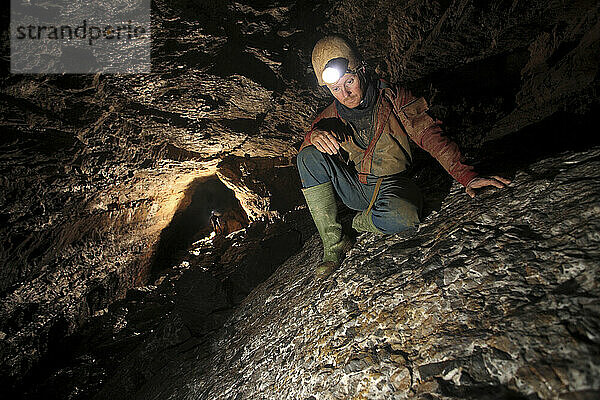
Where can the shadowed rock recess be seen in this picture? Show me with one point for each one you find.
(106, 180)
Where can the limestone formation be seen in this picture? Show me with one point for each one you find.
(490, 298)
(96, 169)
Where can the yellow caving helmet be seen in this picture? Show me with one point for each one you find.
(330, 55)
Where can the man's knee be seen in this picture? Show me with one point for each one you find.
(312, 167)
(396, 216)
(309, 156)
(310, 161)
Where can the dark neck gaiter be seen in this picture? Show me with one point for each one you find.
(361, 116)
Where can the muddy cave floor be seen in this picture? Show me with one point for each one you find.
(190, 300)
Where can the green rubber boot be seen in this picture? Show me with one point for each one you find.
(363, 222)
(323, 208)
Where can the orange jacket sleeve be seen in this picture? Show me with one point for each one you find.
(427, 134)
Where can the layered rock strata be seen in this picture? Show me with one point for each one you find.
(490, 298)
(95, 167)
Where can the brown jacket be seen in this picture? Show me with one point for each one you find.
(398, 116)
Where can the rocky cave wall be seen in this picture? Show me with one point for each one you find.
(95, 167)
(491, 298)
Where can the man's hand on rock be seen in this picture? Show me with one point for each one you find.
(480, 182)
(324, 141)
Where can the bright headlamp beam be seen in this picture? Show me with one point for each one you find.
(334, 70)
(331, 75)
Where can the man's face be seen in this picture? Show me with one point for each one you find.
(347, 90)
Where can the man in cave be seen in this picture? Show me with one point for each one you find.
(216, 222)
(358, 147)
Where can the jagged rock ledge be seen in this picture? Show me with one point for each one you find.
(495, 297)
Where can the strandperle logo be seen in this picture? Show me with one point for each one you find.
(83, 31)
(80, 36)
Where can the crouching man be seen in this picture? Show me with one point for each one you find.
(358, 147)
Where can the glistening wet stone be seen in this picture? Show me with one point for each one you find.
(493, 297)
(94, 166)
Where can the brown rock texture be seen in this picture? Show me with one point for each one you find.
(492, 298)
(260, 180)
(96, 168)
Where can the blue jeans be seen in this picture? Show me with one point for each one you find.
(398, 201)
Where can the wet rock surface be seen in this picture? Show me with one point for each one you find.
(495, 297)
(490, 298)
(96, 168)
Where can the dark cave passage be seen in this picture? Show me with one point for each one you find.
(563, 131)
(191, 221)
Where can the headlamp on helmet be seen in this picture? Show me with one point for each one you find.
(334, 70)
